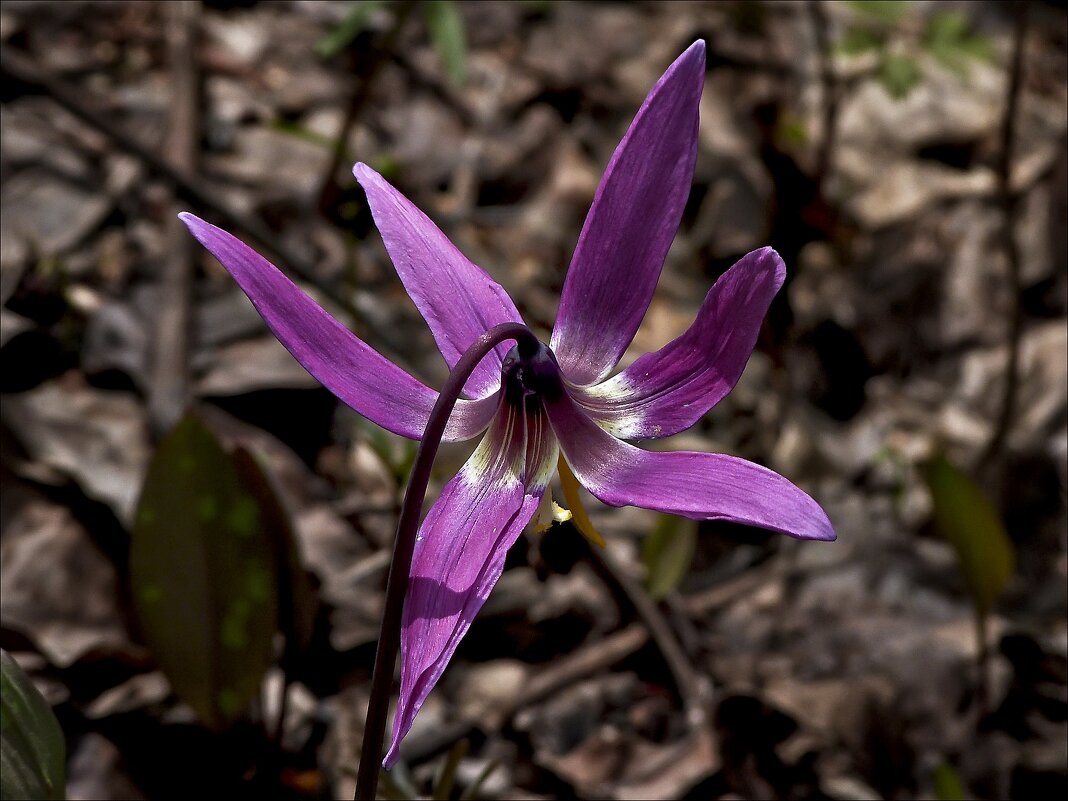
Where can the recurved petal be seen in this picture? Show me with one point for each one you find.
(348, 367)
(702, 486)
(629, 228)
(668, 391)
(458, 299)
(461, 549)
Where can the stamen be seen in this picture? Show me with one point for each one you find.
(579, 517)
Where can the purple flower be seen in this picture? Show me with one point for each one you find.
(562, 398)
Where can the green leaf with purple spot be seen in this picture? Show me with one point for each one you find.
(203, 570)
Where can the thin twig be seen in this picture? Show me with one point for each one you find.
(81, 104)
(982, 658)
(694, 689)
(587, 660)
(724, 592)
(544, 683)
(329, 187)
(278, 732)
(829, 97)
(168, 384)
(578, 665)
(355, 506)
(1007, 201)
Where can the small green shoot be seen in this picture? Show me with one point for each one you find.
(446, 27)
(969, 522)
(668, 553)
(446, 779)
(947, 783)
(349, 28)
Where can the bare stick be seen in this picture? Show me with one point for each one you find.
(168, 383)
(829, 97)
(1008, 241)
(329, 187)
(694, 689)
(544, 683)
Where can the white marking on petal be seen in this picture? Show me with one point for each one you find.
(623, 427)
(616, 388)
(486, 468)
(603, 402)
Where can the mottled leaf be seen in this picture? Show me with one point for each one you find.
(971, 524)
(668, 554)
(32, 749)
(297, 602)
(203, 575)
(446, 27)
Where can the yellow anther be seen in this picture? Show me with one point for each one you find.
(573, 497)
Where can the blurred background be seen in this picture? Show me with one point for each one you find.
(908, 161)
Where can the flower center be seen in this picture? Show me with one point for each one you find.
(529, 377)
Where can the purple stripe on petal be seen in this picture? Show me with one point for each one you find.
(461, 549)
(631, 223)
(458, 299)
(703, 486)
(668, 391)
(357, 374)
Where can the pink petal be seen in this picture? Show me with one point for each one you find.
(631, 223)
(461, 550)
(458, 299)
(703, 486)
(668, 391)
(357, 374)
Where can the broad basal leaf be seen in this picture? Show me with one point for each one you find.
(32, 750)
(203, 575)
(297, 602)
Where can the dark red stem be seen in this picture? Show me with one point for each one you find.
(404, 547)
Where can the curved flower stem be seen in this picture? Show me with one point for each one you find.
(404, 547)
